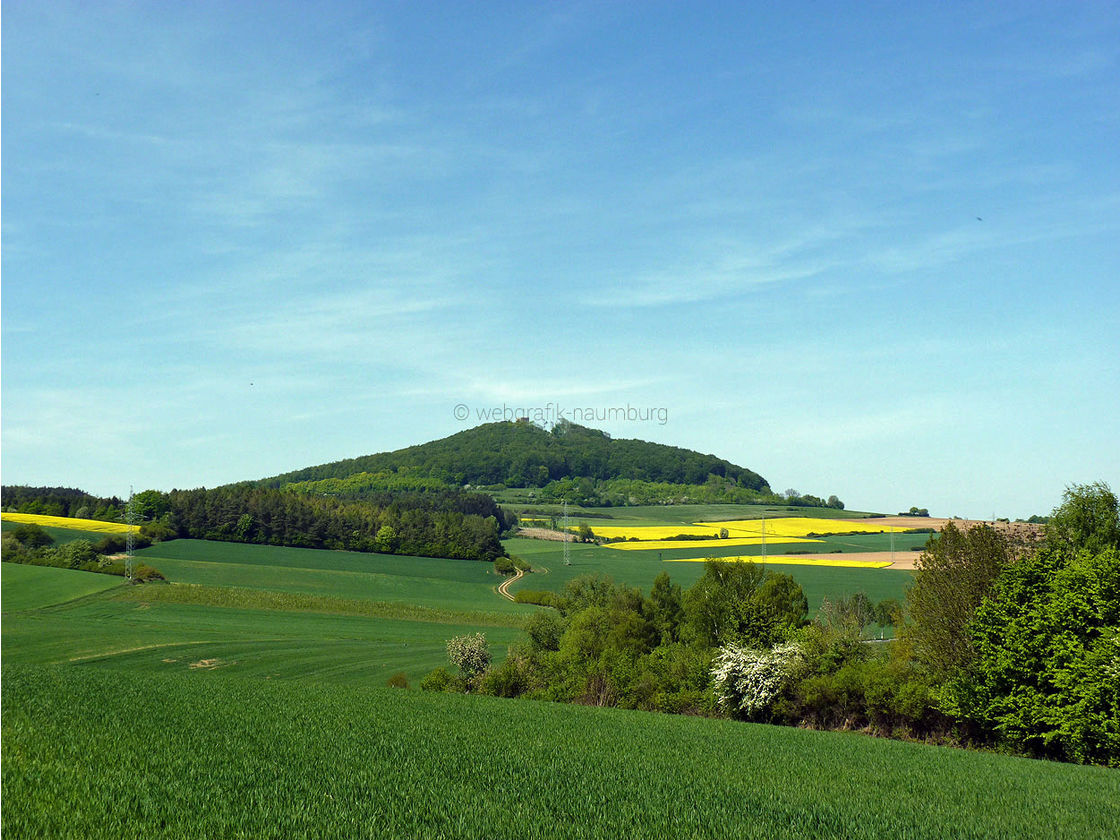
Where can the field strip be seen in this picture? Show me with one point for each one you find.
(503, 590)
(799, 560)
(247, 598)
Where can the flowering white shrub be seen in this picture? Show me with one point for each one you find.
(469, 653)
(746, 680)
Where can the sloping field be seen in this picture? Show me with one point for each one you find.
(261, 611)
(431, 582)
(31, 587)
(94, 525)
(199, 753)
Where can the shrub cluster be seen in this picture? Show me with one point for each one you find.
(31, 545)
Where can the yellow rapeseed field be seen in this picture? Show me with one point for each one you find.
(652, 545)
(95, 525)
(800, 526)
(654, 532)
(781, 560)
(781, 528)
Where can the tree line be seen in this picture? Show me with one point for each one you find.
(716, 489)
(440, 523)
(447, 524)
(1004, 641)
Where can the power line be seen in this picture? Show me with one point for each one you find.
(567, 538)
(129, 541)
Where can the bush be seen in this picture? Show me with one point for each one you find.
(146, 574)
(438, 680)
(503, 566)
(519, 563)
(541, 598)
(747, 680)
(399, 680)
(112, 544)
(508, 679)
(157, 532)
(32, 536)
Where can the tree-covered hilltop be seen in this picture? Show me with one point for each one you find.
(521, 454)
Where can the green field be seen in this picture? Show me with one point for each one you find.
(444, 584)
(32, 587)
(247, 698)
(91, 753)
(259, 610)
(639, 568)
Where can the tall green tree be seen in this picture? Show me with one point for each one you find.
(952, 576)
(742, 603)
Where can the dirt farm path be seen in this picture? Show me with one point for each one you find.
(503, 590)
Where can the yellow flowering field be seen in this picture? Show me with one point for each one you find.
(67, 522)
(796, 527)
(654, 532)
(648, 545)
(800, 526)
(781, 560)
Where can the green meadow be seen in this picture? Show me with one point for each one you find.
(247, 697)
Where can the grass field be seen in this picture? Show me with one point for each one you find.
(246, 698)
(90, 753)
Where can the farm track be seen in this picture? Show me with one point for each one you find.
(503, 589)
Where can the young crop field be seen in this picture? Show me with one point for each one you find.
(92, 753)
(33, 587)
(260, 610)
(456, 585)
(247, 698)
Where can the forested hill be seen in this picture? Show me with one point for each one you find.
(521, 454)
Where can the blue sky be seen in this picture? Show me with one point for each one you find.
(863, 249)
